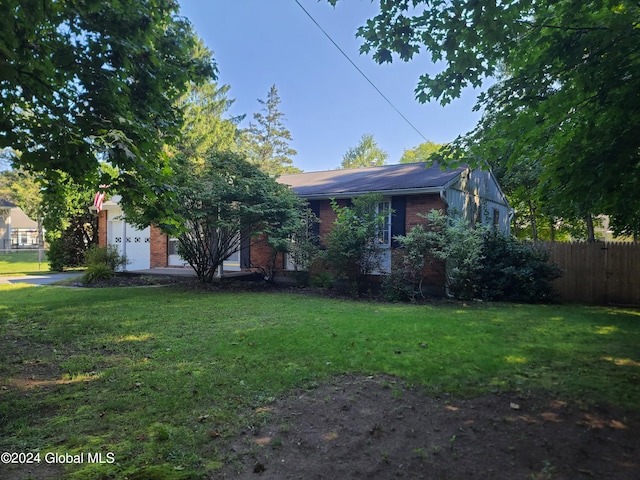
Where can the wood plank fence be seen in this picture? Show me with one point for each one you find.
(597, 273)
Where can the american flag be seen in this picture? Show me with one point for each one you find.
(97, 200)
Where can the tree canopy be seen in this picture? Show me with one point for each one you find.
(205, 131)
(421, 153)
(229, 201)
(366, 154)
(82, 82)
(566, 91)
(266, 142)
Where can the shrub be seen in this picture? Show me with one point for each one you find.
(480, 264)
(515, 271)
(407, 270)
(353, 251)
(102, 262)
(96, 272)
(108, 256)
(455, 242)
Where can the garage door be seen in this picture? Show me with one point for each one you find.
(131, 242)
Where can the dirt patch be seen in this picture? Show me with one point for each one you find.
(366, 427)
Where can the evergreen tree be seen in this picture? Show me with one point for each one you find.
(266, 142)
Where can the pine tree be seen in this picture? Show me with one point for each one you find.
(266, 142)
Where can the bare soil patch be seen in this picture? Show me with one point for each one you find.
(366, 427)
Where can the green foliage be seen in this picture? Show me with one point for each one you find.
(205, 131)
(89, 80)
(479, 263)
(454, 242)
(108, 256)
(407, 271)
(97, 272)
(298, 241)
(71, 228)
(231, 199)
(266, 142)
(67, 248)
(366, 154)
(421, 153)
(102, 263)
(515, 271)
(566, 73)
(352, 250)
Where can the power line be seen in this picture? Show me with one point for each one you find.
(360, 71)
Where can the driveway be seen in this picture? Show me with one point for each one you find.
(39, 279)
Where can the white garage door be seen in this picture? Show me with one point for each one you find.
(131, 242)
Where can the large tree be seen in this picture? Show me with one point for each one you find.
(206, 130)
(421, 153)
(85, 81)
(229, 201)
(566, 91)
(266, 141)
(366, 154)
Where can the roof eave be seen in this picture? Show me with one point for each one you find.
(389, 193)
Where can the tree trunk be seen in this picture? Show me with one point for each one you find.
(532, 219)
(591, 236)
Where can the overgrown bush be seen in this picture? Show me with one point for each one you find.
(68, 248)
(353, 251)
(457, 244)
(102, 263)
(109, 256)
(480, 264)
(515, 271)
(407, 269)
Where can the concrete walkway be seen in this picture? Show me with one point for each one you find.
(38, 279)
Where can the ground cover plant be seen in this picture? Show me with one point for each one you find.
(24, 262)
(173, 383)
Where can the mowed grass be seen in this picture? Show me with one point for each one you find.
(162, 378)
(23, 262)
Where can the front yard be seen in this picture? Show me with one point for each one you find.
(167, 383)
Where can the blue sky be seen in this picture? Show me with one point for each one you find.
(327, 104)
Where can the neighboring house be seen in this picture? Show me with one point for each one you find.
(5, 224)
(407, 190)
(17, 230)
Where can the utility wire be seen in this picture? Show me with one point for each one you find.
(360, 71)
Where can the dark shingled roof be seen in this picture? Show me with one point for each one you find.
(382, 179)
(6, 203)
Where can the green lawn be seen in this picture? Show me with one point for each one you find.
(149, 373)
(23, 262)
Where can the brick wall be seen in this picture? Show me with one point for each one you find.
(158, 248)
(422, 204)
(102, 228)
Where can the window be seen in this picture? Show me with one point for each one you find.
(173, 246)
(496, 220)
(384, 234)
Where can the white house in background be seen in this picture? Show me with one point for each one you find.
(5, 224)
(17, 230)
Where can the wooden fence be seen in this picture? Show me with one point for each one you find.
(597, 273)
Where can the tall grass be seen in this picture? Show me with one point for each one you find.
(152, 374)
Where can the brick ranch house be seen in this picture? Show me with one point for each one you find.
(406, 189)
